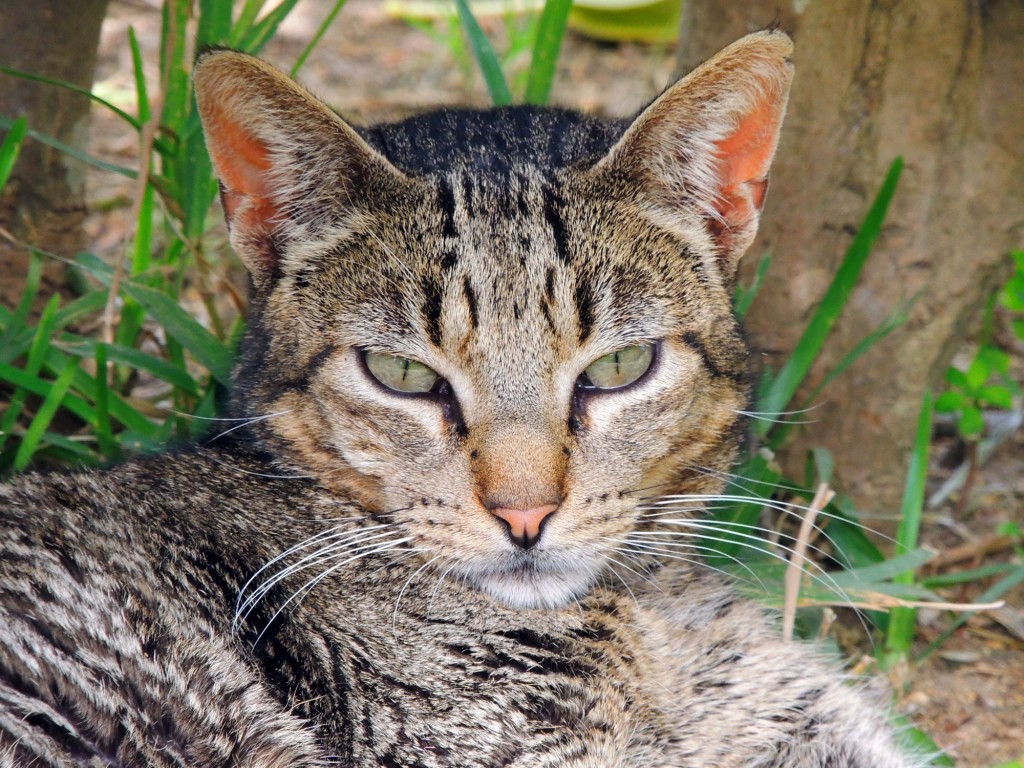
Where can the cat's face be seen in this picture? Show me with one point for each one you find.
(503, 366)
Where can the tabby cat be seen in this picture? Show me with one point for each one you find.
(482, 346)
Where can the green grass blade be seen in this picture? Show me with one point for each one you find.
(745, 295)
(214, 23)
(299, 62)
(142, 246)
(44, 416)
(134, 358)
(895, 319)
(967, 577)
(141, 91)
(20, 317)
(33, 364)
(893, 568)
(174, 33)
(66, 450)
(546, 47)
(991, 594)
(485, 56)
(900, 634)
(74, 89)
(243, 25)
(40, 386)
(7, 124)
(180, 327)
(81, 307)
(11, 148)
(793, 372)
(264, 29)
(206, 348)
(104, 433)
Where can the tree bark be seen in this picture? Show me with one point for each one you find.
(938, 82)
(43, 203)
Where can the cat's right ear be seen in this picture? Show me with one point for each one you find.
(288, 166)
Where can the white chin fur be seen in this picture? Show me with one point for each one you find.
(527, 588)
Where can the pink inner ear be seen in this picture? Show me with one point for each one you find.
(743, 161)
(242, 162)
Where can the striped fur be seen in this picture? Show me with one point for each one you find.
(327, 585)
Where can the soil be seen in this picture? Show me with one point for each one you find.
(969, 696)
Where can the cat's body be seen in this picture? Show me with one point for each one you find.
(479, 361)
(132, 658)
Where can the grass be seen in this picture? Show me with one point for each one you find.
(77, 399)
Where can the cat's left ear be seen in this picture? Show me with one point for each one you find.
(703, 148)
(289, 167)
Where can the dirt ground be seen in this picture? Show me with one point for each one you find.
(969, 696)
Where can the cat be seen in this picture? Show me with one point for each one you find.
(481, 346)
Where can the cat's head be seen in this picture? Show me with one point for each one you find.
(500, 332)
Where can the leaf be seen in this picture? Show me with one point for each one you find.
(991, 594)
(206, 348)
(141, 92)
(73, 89)
(949, 401)
(33, 364)
(995, 359)
(977, 373)
(261, 32)
(39, 386)
(11, 147)
(104, 433)
(823, 464)
(997, 396)
(869, 575)
(971, 422)
(957, 378)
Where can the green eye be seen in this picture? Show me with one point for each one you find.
(400, 373)
(619, 369)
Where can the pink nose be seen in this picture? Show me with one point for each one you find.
(524, 525)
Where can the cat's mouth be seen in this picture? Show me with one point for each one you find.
(529, 580)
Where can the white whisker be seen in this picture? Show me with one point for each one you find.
(302, 591)
(405, 586)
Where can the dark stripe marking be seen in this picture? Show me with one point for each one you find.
(584, 307)
(432, 309)
(449, 260)
(552, 204)
(467, 290)
(446, 200)
(467, 194)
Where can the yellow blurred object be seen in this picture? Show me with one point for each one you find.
(641, 21)
(644, 21)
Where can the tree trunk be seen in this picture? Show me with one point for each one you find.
(43, 204)
(938, 82)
